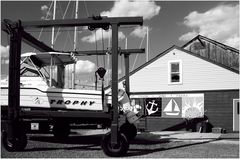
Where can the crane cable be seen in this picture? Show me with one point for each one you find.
(96, 46)
(103, 50)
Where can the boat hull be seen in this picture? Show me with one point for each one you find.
(53, 98)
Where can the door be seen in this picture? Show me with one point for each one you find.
(235, 114)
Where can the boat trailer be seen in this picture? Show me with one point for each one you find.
(14, 137)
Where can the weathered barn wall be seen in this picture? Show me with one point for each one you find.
(215, 52)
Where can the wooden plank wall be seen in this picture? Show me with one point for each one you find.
(219, 110)
(219, 107)
(215, 52)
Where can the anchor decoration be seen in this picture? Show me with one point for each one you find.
(152, 106)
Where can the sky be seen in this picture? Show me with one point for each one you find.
(169, 23)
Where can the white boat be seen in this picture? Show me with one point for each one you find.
(39, 90)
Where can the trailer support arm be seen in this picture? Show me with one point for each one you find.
(15, 32)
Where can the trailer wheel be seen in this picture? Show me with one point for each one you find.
(115, 151)
(129, 130)
(17, 144)
(61, 130)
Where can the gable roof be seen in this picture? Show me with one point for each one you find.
(199, 37)
(181, 49)
(214, 51)
(186, 51)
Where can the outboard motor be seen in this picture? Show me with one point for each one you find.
(126, 107)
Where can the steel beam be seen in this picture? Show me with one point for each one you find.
(32, 41)
(114, 125)
(14, 79)
(105, 52)
(127, 85)
(83, 22)
(26, 37)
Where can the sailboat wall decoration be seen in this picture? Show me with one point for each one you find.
(171, 107)
(189, 105)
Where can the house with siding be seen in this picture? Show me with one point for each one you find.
(193, 83)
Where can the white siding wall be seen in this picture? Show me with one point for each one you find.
(198, 74)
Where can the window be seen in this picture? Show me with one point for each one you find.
(175, 72)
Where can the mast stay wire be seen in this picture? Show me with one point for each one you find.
(86, 9)
(65, 43)
(63, 17)
(138, 54)
(48, 13)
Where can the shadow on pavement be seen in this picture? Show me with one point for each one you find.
(145, 151)
(93, 142)
(85, 147)
(91, 139)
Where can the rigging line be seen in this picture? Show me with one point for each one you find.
(65, 12)
(138, 54)
(96, 45)
(108, 59)
(65, 43)
(62, 30)
(86, 9)
(103, 50)
(68, 34)
(48, 13)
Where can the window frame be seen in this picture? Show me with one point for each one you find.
(170, 72)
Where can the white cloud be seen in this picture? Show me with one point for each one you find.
(101, 34)
(131, 8)
(47, 14)
(188, 36)
(127, 8)
(220, 23)
(85, 66)
(139, 31)
(4, 51)
(44, 8)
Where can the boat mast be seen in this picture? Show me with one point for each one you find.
(52, 42)
(147, 45)
(74, 46)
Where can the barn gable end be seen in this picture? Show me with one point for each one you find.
(213, 50)
(197, 74)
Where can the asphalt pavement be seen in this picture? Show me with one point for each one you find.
(165, 144)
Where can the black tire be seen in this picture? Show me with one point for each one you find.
(129, 130)
(17, 144)
(61, 130)
(119, 150)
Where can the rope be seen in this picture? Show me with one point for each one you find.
(108, 59)
(103, 50)
(96, 46)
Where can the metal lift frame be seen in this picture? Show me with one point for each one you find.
(17, 35)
